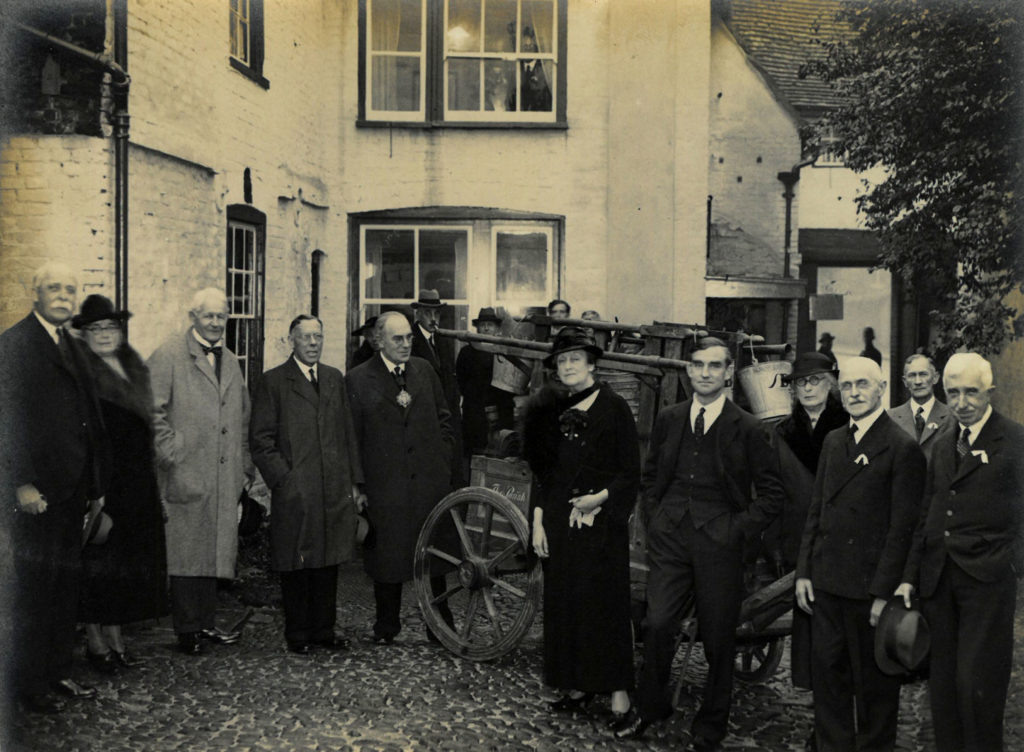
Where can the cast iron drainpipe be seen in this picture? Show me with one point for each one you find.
(789, 180)
(120, 80)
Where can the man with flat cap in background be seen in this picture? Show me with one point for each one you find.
(967, 559)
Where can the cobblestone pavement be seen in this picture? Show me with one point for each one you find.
(412, 695)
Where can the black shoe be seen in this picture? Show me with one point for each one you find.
(570, 704)
(379, 639)
(190, 644)
(71, 688)
(39, 702)
(126, 660)
(220, 636)
(703, 744)
(300, 648)
(105, 663)
(336, 644)
(632, 726)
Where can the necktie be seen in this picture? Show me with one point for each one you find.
(312, 379)
(217, 352)
(399, 375)
(919, 422)
(698, 425)
(963, 444)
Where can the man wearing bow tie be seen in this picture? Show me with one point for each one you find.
(923, 416)
(866, 499)
(201, 420)
(406, 438)
(967, 556)
(304, 445)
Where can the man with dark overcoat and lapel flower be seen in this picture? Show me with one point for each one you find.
(407, 441)
(967, 558)
(866, 499)
(303, 442)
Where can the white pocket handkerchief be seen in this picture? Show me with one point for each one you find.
(981, 453)
(932, 425)
(580, 519)
(862, 459)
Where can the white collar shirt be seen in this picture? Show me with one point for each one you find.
(711, 411)
(392, 366)
(864, 424)
(926, 407)
(50, 328)
(210, 357)
(310, 372)
(976, 428)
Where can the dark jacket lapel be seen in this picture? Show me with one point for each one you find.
(300, 384)
(990, 441)
(875, 442)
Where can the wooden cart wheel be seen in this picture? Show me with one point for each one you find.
(494, 593)
(756, 661)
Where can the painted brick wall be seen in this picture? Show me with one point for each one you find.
(54, 204)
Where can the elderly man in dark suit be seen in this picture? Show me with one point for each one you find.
(706, 457)
(201, 432)
(440, 353)
(55, 456)
(303, 442)
(405, 435)
(922, 416)
(866, 498)
(967, 556)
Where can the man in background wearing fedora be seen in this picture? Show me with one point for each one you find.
(865, 504)
(440, 353)
(303, 442)
(922, 416)
(366, 349)
(54, 455)
(705, 459)
(474, 370)
(967, 556)
(826, 340)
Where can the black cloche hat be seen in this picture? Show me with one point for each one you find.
(97, 308)
(572, 338)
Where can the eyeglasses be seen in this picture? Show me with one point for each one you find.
(309, 337)
(813, 380)
(103, 328)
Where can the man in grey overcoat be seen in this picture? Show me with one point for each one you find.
(303, 443)
(201, 420)
(405, 435)
(922, 416)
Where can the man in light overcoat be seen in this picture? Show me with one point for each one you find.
(304, 444)
(967, 558)
(922, 416)
(407, 442)
(201, 420)
(866, 499)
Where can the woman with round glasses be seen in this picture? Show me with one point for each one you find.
(124, 577)
(816, 411)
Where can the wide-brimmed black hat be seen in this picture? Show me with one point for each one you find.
(364, 330)
(428, 299)
(97, 308)
(572, 338)
(809, 363)
(902, 638)
(486, 314)
(825, 337)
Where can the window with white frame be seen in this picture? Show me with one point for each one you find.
(473, 262)
(463, 61)
(245, 277)
(245, 18)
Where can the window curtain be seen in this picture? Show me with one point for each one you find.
(386, 31)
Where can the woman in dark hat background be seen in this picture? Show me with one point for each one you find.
(474, 370)
(584, 451)
(125, 577)
(798, 438)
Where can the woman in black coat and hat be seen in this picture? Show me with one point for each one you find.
(584, 451)
(124, 577)
(817, 410)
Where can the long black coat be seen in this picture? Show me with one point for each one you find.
(587, 632)
(474, 370)
(441, 358)
(407, 455)
(862, 516)
(126, 577)
(303, 442)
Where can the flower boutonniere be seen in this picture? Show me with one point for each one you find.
(982, 454)
(862, 459)
(932, 425)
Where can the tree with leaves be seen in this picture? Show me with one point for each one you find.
(931, 90)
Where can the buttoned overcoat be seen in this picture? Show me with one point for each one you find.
(407, 454)
(202, 447)
(303, 442)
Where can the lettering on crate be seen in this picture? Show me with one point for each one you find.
(513, 494)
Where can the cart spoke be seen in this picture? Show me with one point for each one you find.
(446, 594)
(492, 611)
(443, 555)
(508, 586)
(505, 553)
(460, 526)
(485, 537)
(467, 625)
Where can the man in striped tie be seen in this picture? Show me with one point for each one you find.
(967, 556)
